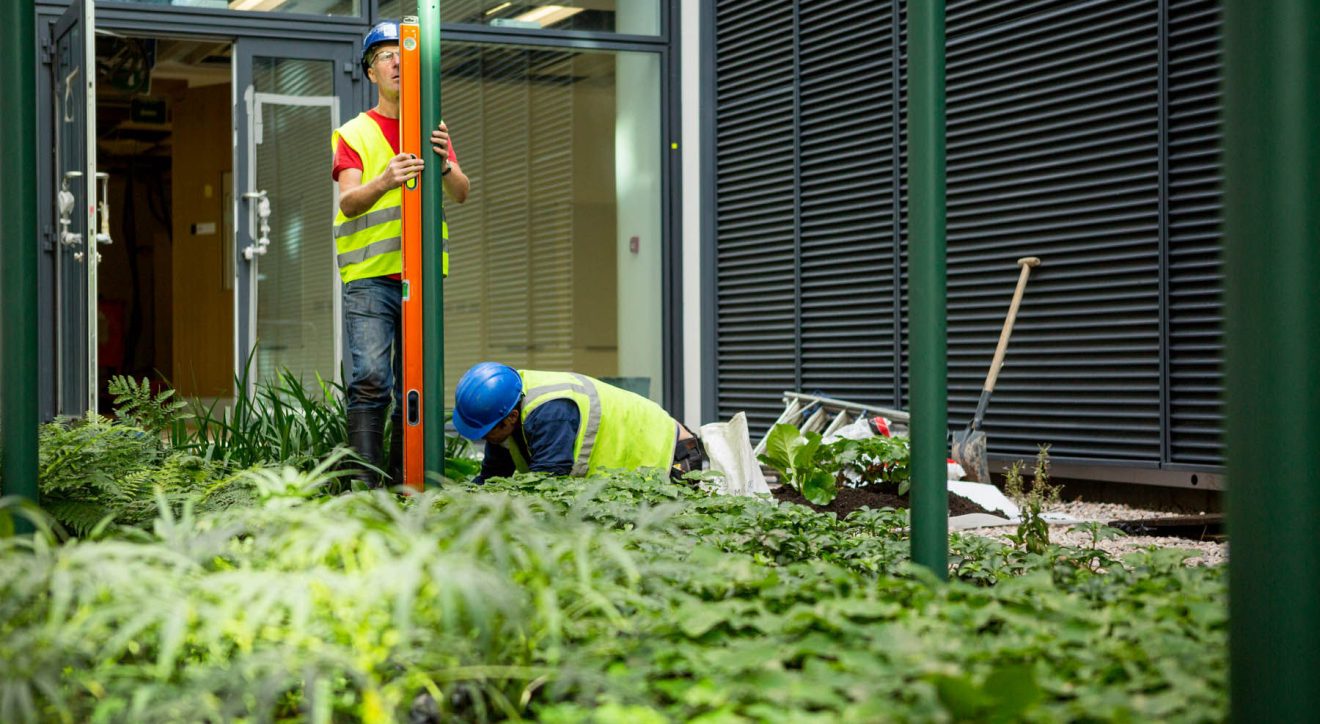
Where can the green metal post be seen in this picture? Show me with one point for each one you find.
(433, 290)
(926, 272)
(18, 285)
(1272, 264)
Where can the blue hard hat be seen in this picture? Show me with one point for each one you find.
(386, 31)
(485, 394)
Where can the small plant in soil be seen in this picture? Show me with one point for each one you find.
(1033, 534)
(1094, 558)
(873, 472)
(793, 454)
(868, 461)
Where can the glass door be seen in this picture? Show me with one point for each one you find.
(291, 96)
(73, 85)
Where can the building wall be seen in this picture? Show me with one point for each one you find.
(203, 311)
(199, 369)
(1085, 133)
(689, 223)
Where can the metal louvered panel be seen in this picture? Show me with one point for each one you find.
(901, 210)
(847, 218)
(1083, 132)
(1053, 151)
(754, 208)
(969, 17)
(1195, 203)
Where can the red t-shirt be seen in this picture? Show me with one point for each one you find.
(346, 157)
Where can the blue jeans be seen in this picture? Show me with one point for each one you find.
(373, 309)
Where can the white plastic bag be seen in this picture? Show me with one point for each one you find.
(860, 429)
(956, 471)
(729, 449)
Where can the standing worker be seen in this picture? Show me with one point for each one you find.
(368, 245)
(566, 424)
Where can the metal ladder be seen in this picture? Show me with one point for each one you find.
(827, 414)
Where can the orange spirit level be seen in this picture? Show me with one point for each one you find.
(411, 142)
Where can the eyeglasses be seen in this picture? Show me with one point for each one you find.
(385, 55)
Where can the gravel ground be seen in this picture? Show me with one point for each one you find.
(1209, 553)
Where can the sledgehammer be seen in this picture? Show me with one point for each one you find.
(969, 445)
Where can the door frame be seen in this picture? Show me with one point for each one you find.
(347, 78)
(53, 386)
(157, 22)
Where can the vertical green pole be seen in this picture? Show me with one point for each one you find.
(18, 283)
(1272, 264)
(926, 244)
(433, 246)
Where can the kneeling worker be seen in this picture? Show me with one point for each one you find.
(566, 424)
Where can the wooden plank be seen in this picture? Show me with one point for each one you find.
(1194, 527)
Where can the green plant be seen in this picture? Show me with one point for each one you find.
(621, 598)
(280, 420)
(283, 420)
(793, 453)
(84, 468)
(1093, 558)
(1033, 533)
(135, 403)
(868, 461)
(95, 471)
(1099, 532)
(460, 461)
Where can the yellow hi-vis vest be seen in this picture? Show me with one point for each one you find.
(618, 429)
(369, 245)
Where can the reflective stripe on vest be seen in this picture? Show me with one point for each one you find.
(374, 249)
(586, 387)
(617, 429)
(368, 220)
(368, 245)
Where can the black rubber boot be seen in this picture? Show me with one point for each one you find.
(366, 432)
(396, 452)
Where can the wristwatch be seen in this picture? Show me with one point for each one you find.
(448, 167)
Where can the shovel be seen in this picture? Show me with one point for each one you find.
(969, 445)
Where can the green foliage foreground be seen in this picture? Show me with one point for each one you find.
(628, 599)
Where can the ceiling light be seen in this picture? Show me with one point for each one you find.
(548, 15)
(255, 4)
(498, 8)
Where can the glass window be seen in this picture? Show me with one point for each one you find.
(351, 8)
(297, 283)
(635, 17)
(555, 257)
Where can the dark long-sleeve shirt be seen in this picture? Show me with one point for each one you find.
(545, 439)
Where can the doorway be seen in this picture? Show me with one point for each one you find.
(165, 297)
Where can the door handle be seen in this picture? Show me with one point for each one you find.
(65, 203)
(103, 208)
(258, 247)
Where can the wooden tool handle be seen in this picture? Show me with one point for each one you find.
(1026, 263)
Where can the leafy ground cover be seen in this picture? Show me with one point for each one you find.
(876, 496)
(205, 569)
(628, 598)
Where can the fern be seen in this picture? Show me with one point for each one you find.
(95, 468)
(85, 465)
(137, 404)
